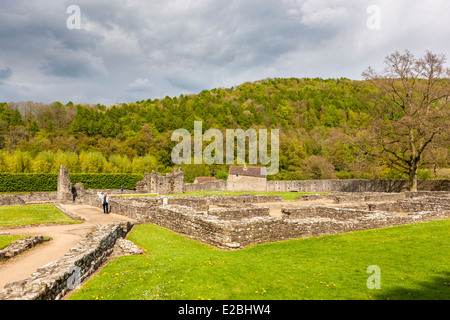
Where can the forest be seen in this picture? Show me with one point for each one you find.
(325, 128)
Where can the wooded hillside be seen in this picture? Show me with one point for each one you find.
(323, 129)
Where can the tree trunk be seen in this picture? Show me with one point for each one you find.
(413, 178)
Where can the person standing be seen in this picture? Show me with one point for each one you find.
(121, 189)
(105, 203)
(100, 196)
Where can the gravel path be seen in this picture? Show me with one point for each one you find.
(64, 237)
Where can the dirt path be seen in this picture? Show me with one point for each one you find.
(64, 237)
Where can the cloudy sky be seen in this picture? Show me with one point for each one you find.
(130, 50)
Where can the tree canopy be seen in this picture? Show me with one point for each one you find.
(322, 124)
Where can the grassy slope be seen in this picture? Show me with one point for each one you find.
(413, 260)
(32, 214)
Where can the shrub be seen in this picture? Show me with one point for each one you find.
(35, 182)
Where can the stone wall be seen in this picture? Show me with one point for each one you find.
(64, 185)
(237, 213)
(343, 197)
(144, 186)
(220, 185)
(26, 198)
(19, 246)
(246, 183)
(171, 183)
(54, 280)
(11, 200)
(236, 225)
(356, 185)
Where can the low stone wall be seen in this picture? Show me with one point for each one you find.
(11, 200)
(262, 230)
(350, 197)
(233, 226)
(19, 246)
(24, 198)
(323, 212)
(233, 232)
(236, 213)
(199, 203)
(54, 280)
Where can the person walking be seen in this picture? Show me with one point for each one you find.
(105, 203)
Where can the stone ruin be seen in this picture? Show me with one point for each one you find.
(64, 191)
(171, 183)
(226, 222)
(234, 222)
(19, 246)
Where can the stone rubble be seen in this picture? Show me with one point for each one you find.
(20, 245)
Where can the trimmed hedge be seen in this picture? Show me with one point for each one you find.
(35, 182)
(106, 181)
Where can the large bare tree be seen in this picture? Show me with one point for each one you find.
(414, 110)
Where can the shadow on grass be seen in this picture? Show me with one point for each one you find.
(436, 288)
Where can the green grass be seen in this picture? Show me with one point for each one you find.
(6, 240)
(285, 195)
(413, 260)
(32, 214)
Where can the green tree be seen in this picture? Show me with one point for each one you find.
(418, 111)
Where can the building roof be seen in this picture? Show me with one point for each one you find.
(248, 171)
(205, 179)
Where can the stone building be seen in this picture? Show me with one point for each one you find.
(205, 179)
(246, 179)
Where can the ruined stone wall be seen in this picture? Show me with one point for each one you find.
(19, 246)
(220, 185)
(262, 230)
(64, 185)
(23, 198)
(234, 225)
(171, 183)
(53, 281)
(356, 185)
(343, 197)
(237, 213)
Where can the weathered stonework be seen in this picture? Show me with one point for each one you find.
(171, 183)
(144, 186)
(54, 280)
(19, 246)
(11, 200)
(233, 222)
(64, 185)
(237, 212)
(357, 185)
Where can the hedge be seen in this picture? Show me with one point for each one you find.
(35, 182)
(106, 181)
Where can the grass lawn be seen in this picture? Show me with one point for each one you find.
(413, 261)
(32, 214)
(285, 195)
(6, 240)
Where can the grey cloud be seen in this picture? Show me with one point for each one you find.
(72, 65)
(5, 73)
(139, 49)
